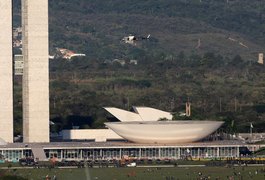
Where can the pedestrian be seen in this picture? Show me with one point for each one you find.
(54, 177)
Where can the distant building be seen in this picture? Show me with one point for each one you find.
(119, 61)
(133, 61)
(18, 65)
(66, 54)
(260, 60)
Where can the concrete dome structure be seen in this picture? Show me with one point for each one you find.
(164, 132)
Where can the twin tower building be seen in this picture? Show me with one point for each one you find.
(35, 73)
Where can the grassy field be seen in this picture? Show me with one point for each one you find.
(141, 173)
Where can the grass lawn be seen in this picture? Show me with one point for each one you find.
(141, 173)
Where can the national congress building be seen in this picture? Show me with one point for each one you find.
(140, 134)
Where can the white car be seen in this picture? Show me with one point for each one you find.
(133, 164)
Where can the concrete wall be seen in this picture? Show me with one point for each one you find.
(99, 135)
(36, 71)
(6, 78)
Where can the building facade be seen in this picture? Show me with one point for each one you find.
(78, 151)
(36, 71)
(6, 72)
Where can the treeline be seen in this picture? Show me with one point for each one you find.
(217, 87)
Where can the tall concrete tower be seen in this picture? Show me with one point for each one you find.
(36, 71)
(6, 75)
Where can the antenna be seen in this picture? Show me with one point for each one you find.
(220, 104)
(235, 104)
(188, 108)
(199, 43)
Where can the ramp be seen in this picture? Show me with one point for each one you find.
(39, 154)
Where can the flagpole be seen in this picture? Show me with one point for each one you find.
(251, 127)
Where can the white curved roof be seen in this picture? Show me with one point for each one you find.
(140, 114)
(123, 115)
(164, 132)
(152, 114)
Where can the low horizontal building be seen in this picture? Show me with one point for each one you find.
(78, 151)
(97, 135)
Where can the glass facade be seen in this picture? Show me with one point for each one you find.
(13, 155)
(116, 153)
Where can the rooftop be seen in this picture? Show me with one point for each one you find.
(71, 145)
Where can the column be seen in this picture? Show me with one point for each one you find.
(6, 71)
(36, 71)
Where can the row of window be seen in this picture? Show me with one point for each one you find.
(118, 153)
(174, 153)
